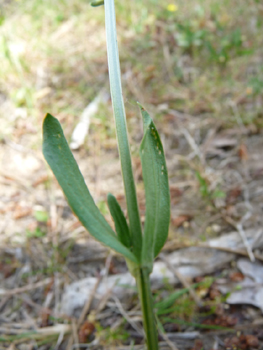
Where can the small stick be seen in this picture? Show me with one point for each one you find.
(224, 249)
(104, 299)
(193, 145)
(15, 291)
(75, 334)
(56, 294)
(168, 341)
(239, 228)
(84, 313)
(11, 346)
(4, 301)
(126, 316)
(88, 303)
(229, 250)
(37, 333)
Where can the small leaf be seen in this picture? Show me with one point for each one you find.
(96, 3)
(41, 215)
(66, 170)
(157, 193)
(120, 222)
(204, 190)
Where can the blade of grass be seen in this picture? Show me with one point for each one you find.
(167, 302)
(194, 324)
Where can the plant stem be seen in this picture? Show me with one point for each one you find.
(121, 127)
(144, 289)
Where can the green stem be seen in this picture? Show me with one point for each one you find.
(121, 127)
(144, 289)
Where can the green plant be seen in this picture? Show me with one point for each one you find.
(41, 215)
(139, 249)
(205, 191)
(189, 37)
(256, 84)
(111, 336)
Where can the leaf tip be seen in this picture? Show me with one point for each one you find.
(110, 198)
(141, 107)
(48, 118)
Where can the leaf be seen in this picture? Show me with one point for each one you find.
(157, 193)
(120, 222)
(204, 190)
(96, 3)
(166, 303)
(66, 170)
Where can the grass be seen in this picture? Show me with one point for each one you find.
(195, 59)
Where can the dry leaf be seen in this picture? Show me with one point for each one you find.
(179, 220)
(243, 152)
(21, 212)
(85, 331)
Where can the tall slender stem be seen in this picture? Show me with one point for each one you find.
(121, 127)
(141, 274)
(145, 295)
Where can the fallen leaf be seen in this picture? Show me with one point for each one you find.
(44, 316)
(21, 212)
(198, 345)
(175, 194)
(214, 293)
(252, 341)
(233, 194)
(236, 276)
(40, 180)
(180, 220)
(85, 331)
(243, 152)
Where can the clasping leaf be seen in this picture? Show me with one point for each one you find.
(121, 226)
(157, 193)
(63, 164)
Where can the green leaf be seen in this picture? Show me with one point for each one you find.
(166, 303)
(41, 215)
(157, 193)
(97, 3)
(193, 324)
(120, 222)
(66, 170)
(204, 190)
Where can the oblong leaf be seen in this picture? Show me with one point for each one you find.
(157, 193)
(121, 226)
(96, 3)
(66, 170)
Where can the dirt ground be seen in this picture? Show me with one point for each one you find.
(215, 167)
(44, 247)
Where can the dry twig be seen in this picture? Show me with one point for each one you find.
(25, 288)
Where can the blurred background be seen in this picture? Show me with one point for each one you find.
(196, 66)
